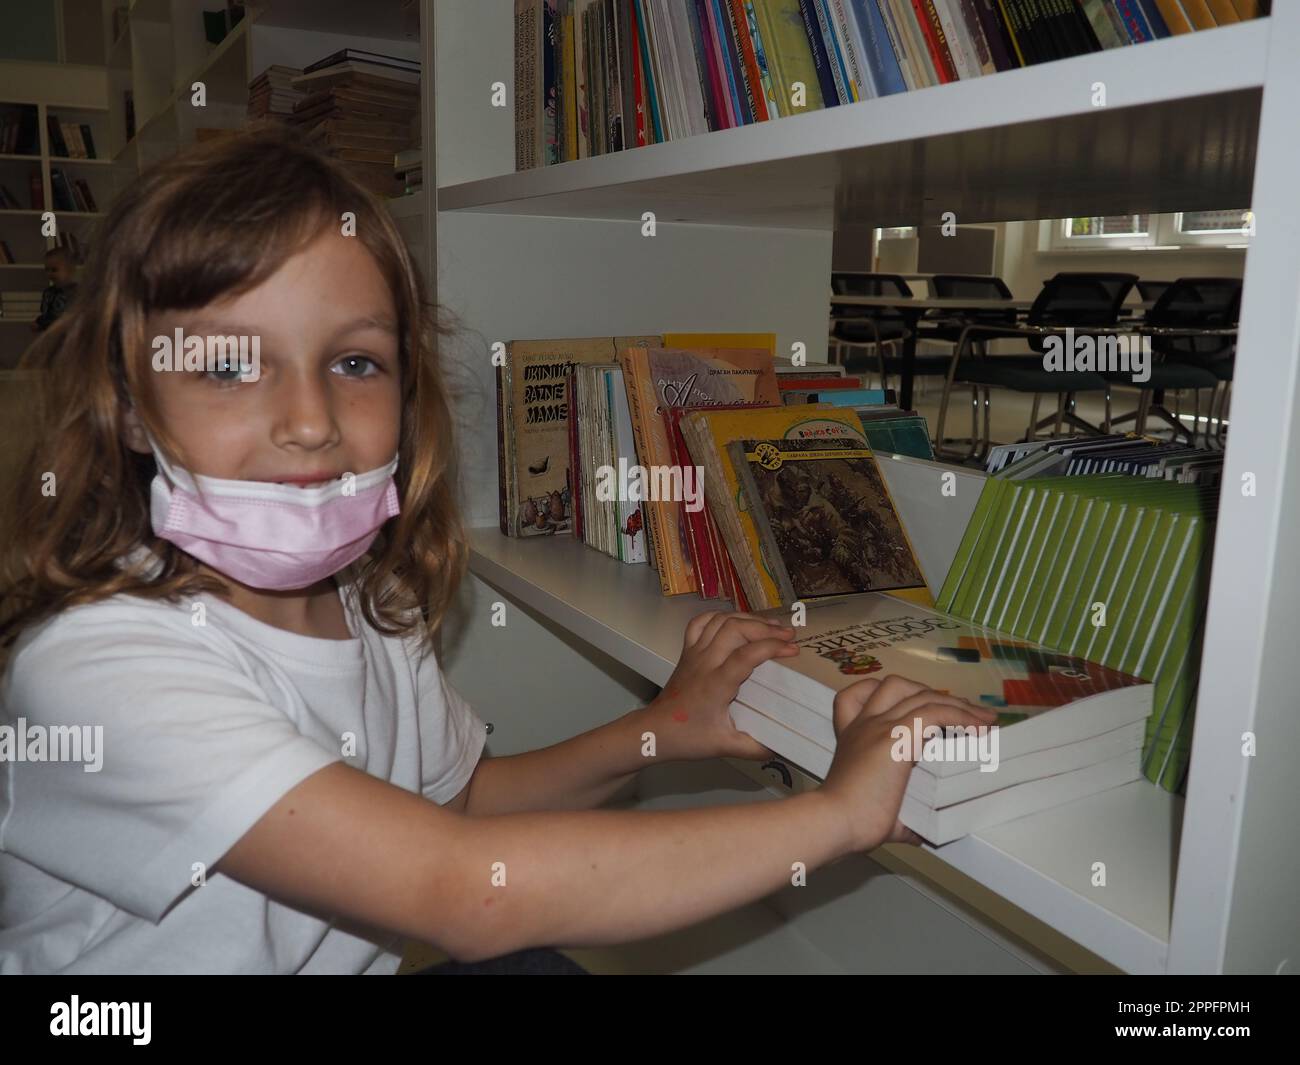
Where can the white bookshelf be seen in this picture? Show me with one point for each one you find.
(1192, 122)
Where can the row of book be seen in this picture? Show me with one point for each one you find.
(71, 194)
(68, 140)
(597, 76)
(1138, 456)
(568, 409)
(65, 239)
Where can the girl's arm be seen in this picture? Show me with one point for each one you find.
(344, 843)
(578, 774)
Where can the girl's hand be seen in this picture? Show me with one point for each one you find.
(690, 717)
(865, 779)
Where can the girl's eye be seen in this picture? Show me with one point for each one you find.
(356, 366)
(226, 372)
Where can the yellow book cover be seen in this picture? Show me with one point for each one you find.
(1199, 12)
(792, 423)
(1223, 12)
(766, 341)
(793, 56)
(1173, 16)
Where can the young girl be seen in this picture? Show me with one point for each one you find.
(225, 577)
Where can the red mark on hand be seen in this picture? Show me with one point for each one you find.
(679, 715)
(488, 901)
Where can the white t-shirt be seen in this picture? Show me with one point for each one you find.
(204, 728)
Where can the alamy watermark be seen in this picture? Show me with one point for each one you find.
(53, 743)
(1129, 353)
(635, 484)
(937, 743)
(209, 354)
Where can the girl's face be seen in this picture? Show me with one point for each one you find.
(327, 398)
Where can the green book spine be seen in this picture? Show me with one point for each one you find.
(952, 583)
(1125, 547)
(1009, 596)
(1028, 590)
(1005, 552)
(1047, 588)
(1076, 579)
(1137, 583)
(975, 587)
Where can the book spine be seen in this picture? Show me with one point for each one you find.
(896, 44)
(995, 33)
(851, 44)
(821, 61)
(1016, 32)
(928, 20)
(760, 39)
(887, 73)
(1134, 24)
(637, 410)
(503, 459)
(835, 59)
(731, 64)
(979, 42)
(1173, 16)
(954, 29)
(654, 126)
(749, 61)
(702, 35)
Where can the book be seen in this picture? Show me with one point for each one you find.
(532, 434)
(1044, 698)
(825, 519)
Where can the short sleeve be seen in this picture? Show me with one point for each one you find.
(181, 754)
(451, 735)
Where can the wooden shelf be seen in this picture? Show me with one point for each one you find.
(907, 158)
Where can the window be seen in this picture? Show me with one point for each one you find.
(1157, 232)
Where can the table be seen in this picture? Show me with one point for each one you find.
(911, 310)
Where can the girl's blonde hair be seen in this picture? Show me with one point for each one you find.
(211, 223)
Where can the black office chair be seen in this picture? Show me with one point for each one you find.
(948, 326)
(869, 328)
(1149, 290)
(1192, 327)
(1085, 302)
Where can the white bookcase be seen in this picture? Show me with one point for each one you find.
(745, 221)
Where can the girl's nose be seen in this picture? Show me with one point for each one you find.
(305, 412)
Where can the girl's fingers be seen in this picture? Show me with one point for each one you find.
(741, 662)
(909, 705)
(940, 716)
(736, 631)
(893, 689)
(696, 626)
(850, 701)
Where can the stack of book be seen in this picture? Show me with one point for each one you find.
(20, 305)
(271, 94)
(1066, 727)
(1111, 568)
(358, 107)
(597, 76)
(1138, 456)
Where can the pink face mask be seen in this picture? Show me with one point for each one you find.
(272, 536)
